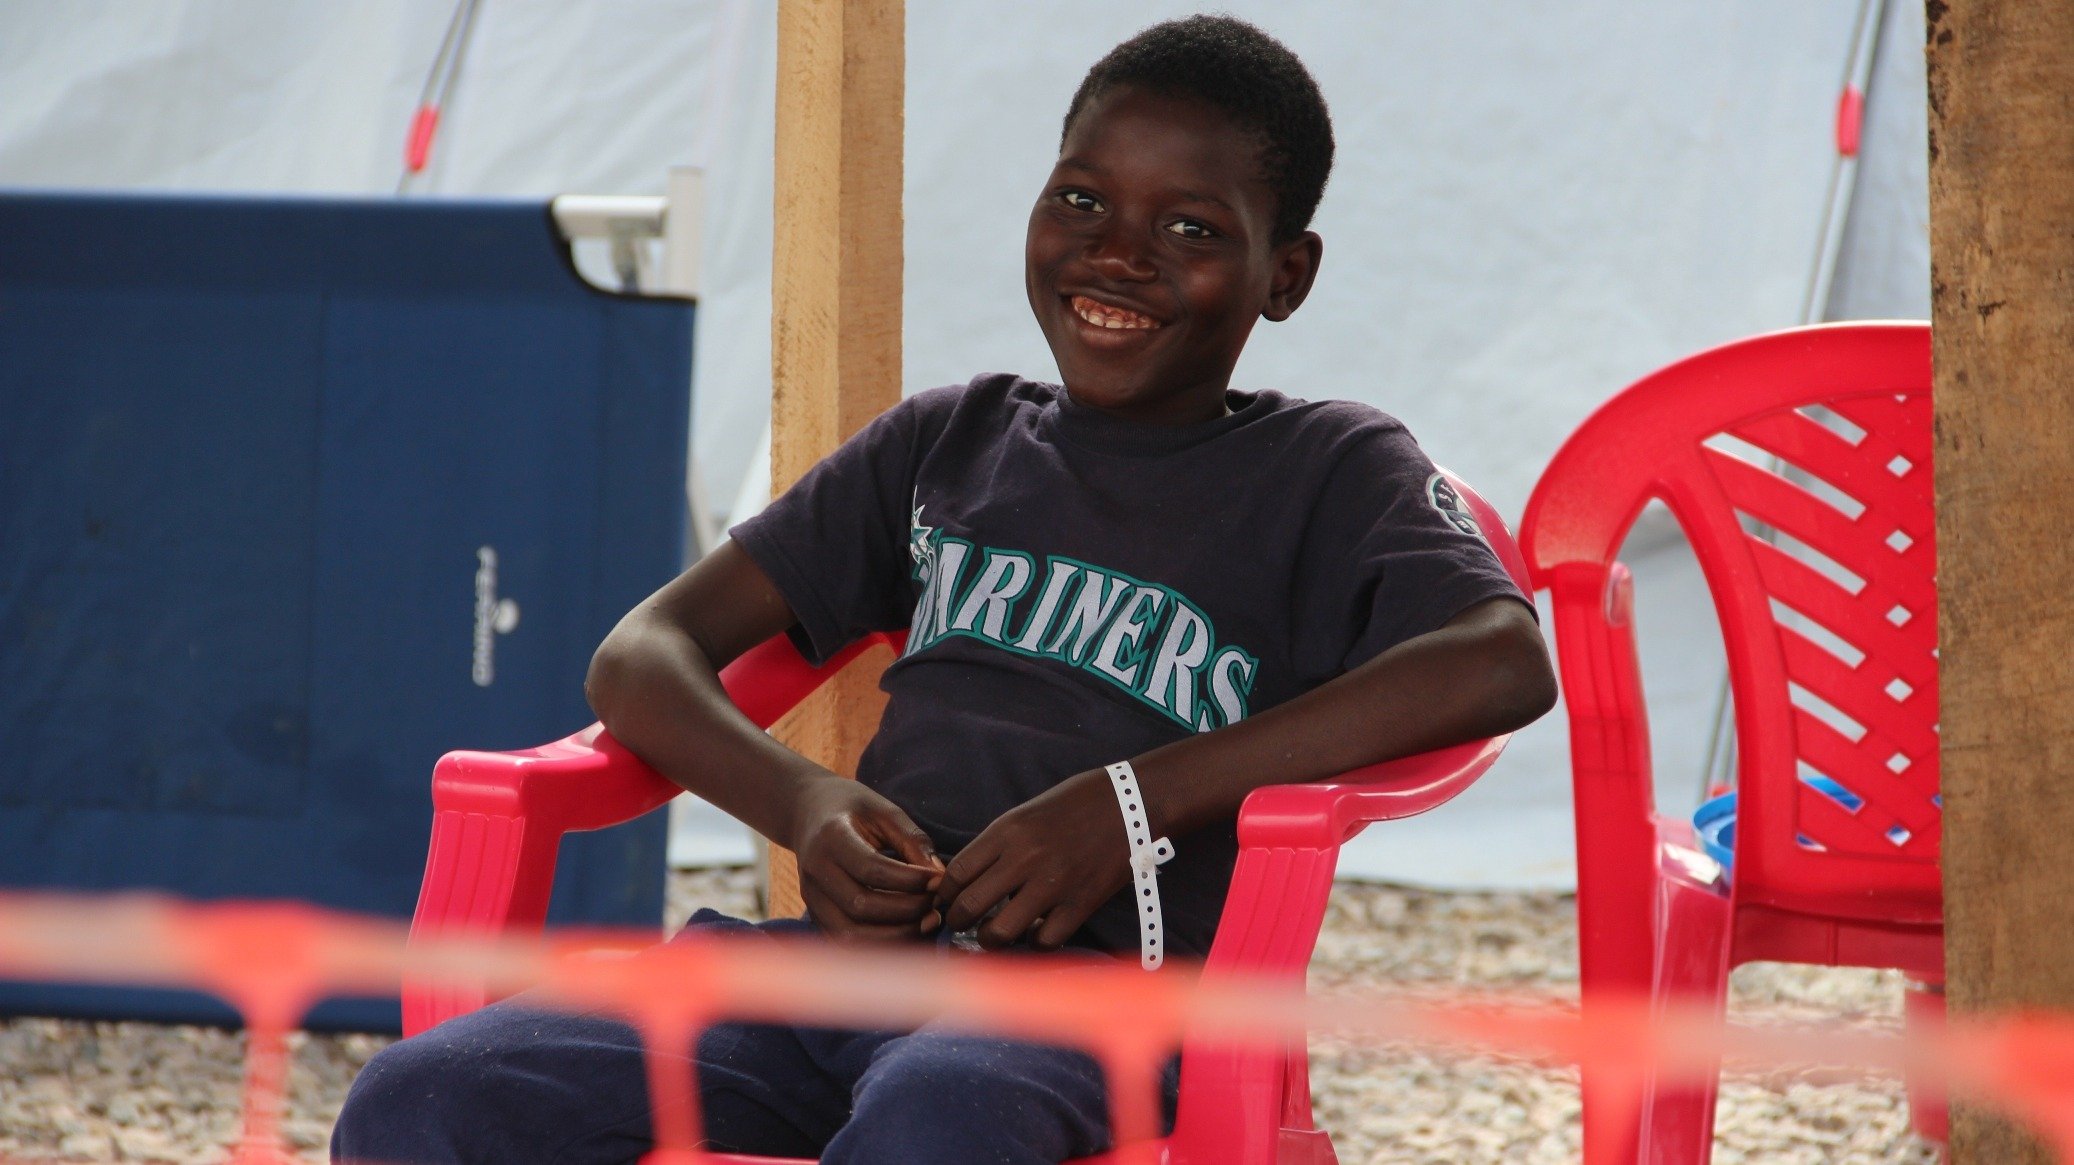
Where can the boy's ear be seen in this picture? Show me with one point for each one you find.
(1296, 268)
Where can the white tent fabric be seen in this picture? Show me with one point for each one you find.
(1884, 269)
(1533, 205)
(1514, 827)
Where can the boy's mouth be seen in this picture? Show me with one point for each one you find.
(1102, 315)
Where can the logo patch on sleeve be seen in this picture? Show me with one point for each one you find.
(1448, 501)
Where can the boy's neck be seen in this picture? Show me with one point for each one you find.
(1084, 425)
(1206, 410)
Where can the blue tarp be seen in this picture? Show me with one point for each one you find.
(294, 497)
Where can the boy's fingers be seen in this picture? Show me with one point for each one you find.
(868, 866)
(1016, 917)
(973, 901)
(913, 845)
(880, 872)
(959, 874)
(1043, 897)
(858, 902)
(967, 867)
(1058, 924)
(845, 930)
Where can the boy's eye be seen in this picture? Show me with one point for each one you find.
(1081, 200)
(1188, 228)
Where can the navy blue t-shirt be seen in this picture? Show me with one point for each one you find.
(1081, 589)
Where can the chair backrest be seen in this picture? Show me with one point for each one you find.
(1799, 466)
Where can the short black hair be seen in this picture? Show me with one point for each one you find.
(1250, 76)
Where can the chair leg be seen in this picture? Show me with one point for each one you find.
(1301, 1141)
(1922, 1014)
(1691, 975)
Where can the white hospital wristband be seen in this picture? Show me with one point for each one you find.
(1147, 856)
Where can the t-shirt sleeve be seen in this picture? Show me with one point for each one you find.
(1412, 546)
(835, 544)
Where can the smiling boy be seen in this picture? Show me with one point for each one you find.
(1140, 575)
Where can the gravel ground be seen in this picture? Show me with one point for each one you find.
(1394, 1103)
(73, 1091)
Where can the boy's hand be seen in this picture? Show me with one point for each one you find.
(866, 871)
(1048, 863)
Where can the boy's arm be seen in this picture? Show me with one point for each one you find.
(1057, 857)
(655, 685)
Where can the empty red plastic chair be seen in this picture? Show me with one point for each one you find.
(498, 818)
(1798, 464)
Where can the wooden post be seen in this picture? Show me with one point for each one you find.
(835, 297)
(2002, 282)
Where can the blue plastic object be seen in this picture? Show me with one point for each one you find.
(1715, 823)
(296, 495)
(1715, 820)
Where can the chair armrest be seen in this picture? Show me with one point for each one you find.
(1326, 814)
(1258, 1104)
(498, 817)
(1289, 839)
(584, 781)
(498, 820)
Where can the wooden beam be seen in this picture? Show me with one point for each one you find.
(2002, 301)
(835, 296)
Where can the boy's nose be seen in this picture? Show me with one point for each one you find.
(1119, 253)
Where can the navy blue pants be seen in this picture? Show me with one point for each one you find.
(512, 1084)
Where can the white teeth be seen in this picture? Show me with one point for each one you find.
(1101, 315)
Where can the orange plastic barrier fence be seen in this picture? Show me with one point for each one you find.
(272, 961)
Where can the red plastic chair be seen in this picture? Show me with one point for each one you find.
(1818, 547)
(500, 816)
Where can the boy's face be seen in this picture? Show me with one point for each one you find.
(1149, 256)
